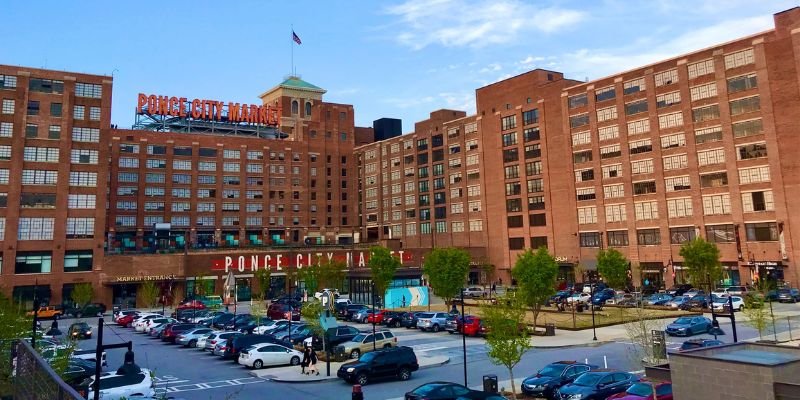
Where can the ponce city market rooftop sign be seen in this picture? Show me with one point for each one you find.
(279, 261)
(208, 110)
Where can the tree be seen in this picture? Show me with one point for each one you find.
(264, 278)
(639, 329)
(447, 270)
(755, 306)
(332, 274)
(200, 287)
(383, 265)
(310, 275)
(507, 337)
(14, 324)
(701, 260)
(148, 293)
(257, 307)
(536, 274)
(613, 267)
(311, 312)
(82, 294)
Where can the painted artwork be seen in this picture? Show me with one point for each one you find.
(406, 297)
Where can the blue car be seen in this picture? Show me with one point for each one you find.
(603, 295)
(597, 385)
(658, 299)
(688, 326)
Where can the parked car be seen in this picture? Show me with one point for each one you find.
(697, 301)
(172, 331)
(254, 323)
(679, 290)
(692, 344)
(350, 310)
(267, 325)
(596, 385)
(283, 311)
(376, 317)
(431, 321)
(600, 297)
(217, 338)
(720, 292)
(46, 312)
(694, 292)
(191, 305)
(739, 290)
(363, 343)
(362, 315)
(688, 326)
(474, 292)
(91, 309)
(452, 324)
(473, 326)
(449, 391)
(579, 298)
(190, 337)
(788, 295)
(122, 313)
(117, 386)
(143, 325)
(643, 390)
(157, 330)
(220, 347)
(722, 304)
(393, 318)
(238, 322)
(677, 301)
(211, 302)
(220, 320)
(657, 299)
(238, 343)
(80, 330)
(127, 320)
(410, 320)
(201, 341)
(553, 376)
(260, 355)
(335, 336)
(77, 371)
(397, 362)
(299, 336)
(559, 297)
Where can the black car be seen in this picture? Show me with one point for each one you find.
(241, 342)
(239, 321)
(409, 320)
(449, 391)
(698, 301)
(336, 336)
(77, 371)
(788, 295)
(392, 318)
(553, 376)
(396, 362)
(299, 335)
(80, 330)
(254, 322)
(679, 290)
(597, 385)
(692, 344)
(351, 309)
(220, 320)
(283, 333)
(186, 314)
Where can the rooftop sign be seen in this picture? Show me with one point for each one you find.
(208, 110)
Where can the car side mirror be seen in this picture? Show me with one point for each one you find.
(288, 351)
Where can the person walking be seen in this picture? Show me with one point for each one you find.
(306, 360)
(312, 366)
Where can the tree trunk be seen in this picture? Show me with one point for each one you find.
(513, 389)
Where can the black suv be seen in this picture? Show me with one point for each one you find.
(392, 318)
(242, 342)
(409, 320)
(336, 336)
(552, 377)
(395, 362)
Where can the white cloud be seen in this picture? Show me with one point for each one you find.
(409, 102)
(491, 68)
(475, 23)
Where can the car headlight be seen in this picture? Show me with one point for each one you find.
(351, 369)
(576, 396)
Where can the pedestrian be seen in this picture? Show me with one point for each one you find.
(306, 359)
(312, 366)
(404, 301)
(494, 288)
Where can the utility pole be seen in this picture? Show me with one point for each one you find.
(463, 336)
(372, 293)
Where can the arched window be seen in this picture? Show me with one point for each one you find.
(308, 108)
(295, 107)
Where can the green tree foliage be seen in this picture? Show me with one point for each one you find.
(382, 265)
(310, 275)
(447, 270)
(536, 274)
(264, 277)
(507, 337)
(755, 308)
(311, 312)
(332, 274)
(14, 324)
(200, 288)
(148, 293)
(82, 294)
(613, 267)
(701, 260)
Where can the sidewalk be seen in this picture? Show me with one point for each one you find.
(293, 375)
(564, 338)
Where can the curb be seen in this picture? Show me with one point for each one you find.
(567, 346)
(323, 378)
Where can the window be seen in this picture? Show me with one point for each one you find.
(617, 238)
(677, 183)
(38, 177)
(678, 161)
(585, 194)
(535, 185)
(230, 167)
(126, 191)
(605, 114)
(535, 203)
(648, 237)
(739, 58)
(511, 171)
(8, 81)
(705, 113)
(41, 154)
(513, 188)
(537, 219)
(717, 204)
(37, 200)
(516, 243)
(670, 120)
(509, 139)
(715, 179)
(668, 99)
(2, 231)
(8, 106)
(88, 90)
(581, 138)
(666, 77)
(712, 156)
(80, 228)
(92, 135)
(513, 205)
(4, 175)
(31, 130)
(584, 175)
(33, 107)
(79, 112)
(745, 105)
(509, 122)
(33, 262)
(743, 82)
(474, 206)
(640, 146)
(754, 175)
(633, 86)
(207, 166)
(510, 155)
(700, 68)
(126, 205)
(533, 168)
(94, 113)
(530, 117)
(125, 220)
(6, 129)
(762, 232)
(182, 151)
(587, 215)
(748, 128)
(642, 167)
(538, 241)
(612, 171)
(644, 187)
(589, 239)
(603, 94)
(5, 153)
(155, 178)
(514, 221)
(758, 201)
(151, 191)
(672, 141)
(682, 234)
(646, 210)
(721, 233)
(230, 180)
(616, 213)
(155, 163)
(579, 100)
(206, 179)
(751, 151)
(582, 156)
(636, 107)
(36, 228)
(614, 191)
(610, 152)
(706, 135)
(578, 120)
(150, 220)
(679, 207)
(705, 91)
(473, 159)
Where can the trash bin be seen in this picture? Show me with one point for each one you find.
(549, 329)
(490, 383)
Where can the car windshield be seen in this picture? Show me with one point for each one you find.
(641, 389)
(427, 389)
(425, 315)
(588, 379)
(359, 338)
(683, 320)
(552, 370)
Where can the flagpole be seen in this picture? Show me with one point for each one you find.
(291, 38)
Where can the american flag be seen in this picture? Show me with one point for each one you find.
(296, 38)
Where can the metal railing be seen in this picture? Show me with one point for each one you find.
(35, 380)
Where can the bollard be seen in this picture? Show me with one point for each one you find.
(789, 322)
(357, 394)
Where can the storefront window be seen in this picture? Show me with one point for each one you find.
(31, 262)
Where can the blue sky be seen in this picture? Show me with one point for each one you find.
(400, 59)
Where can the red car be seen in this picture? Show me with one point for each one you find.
(126, 320)
(474, 327)
(643, 390)
(376, 317)
(192, 305)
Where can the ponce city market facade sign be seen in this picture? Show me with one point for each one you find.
(279, 261)
(208, 110)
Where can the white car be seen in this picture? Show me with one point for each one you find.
(201, 341)
(138, 323)
(122, 313)
(720, 292)
(191, 337)
(474, 291)
(147, 323)
(219, 347)
(738, 304)
(270, 326)
(269, 354)
(579, 298)
(118, 387)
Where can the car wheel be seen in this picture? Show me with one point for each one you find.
(258, 364)
(362, 379)
(436, 327)
(355, 354)
(295, 360)
(193, 343)
(387, 346)
(741, 308)
(397, 324)
(364, 321)
(405, 374)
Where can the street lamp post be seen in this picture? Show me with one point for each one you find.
(372, 294)
(592, 284)
(463, 336)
